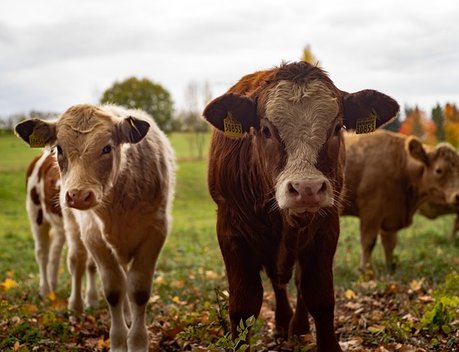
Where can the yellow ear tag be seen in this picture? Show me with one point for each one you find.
(366, 125)
(36, 141)
(231, 127)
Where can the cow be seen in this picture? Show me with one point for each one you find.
(117, 179)
(51, 227)
(432, 210)
(388, 177)
(275, 172)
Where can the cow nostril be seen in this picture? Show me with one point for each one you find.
(323, 188)
(456, 198)
(88, 197)
(69, 196)
(291, 189)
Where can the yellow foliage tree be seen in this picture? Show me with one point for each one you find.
(451, 124)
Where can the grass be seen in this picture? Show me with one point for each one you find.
(190, 272)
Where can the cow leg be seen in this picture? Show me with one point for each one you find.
(91, 286)
(244, 281)
(299, 324)
(368, 237)
(76, 259)
(455, 228)
(57, 237)
(283, 312)
(40, 231)
(139, 279)
(113, 280)
(389, 241)
(316, 283)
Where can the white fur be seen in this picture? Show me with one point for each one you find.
(302, 116)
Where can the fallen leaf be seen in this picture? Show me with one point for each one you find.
(376, 329)
(101, 343)
(211, 275)
(9, 284)
(349, 294)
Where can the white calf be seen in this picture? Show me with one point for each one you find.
(118, 176)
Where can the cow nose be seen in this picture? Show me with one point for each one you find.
(307, 191)
(80, 199)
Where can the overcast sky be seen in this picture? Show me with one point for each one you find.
(55, 53)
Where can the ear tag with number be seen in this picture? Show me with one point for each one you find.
(36, 141)
(366, 125)
(231, 127)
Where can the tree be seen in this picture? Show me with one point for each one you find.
(142, 94)
(308, 56)
(416, 123)
(394, 125)
(192, 121)
(439, 121)
(451, 125)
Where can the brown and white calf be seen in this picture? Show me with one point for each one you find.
(117, 178)
(51, 227)
(276, 170)
(388, 177)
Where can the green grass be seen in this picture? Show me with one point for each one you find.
(190, 267)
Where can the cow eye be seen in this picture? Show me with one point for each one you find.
(266, 132)
(338, 128)
(58, 150)
(107, 149)
(438, 171)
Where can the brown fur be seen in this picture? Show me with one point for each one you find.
(253, 232)
(388, 177)
(117, 179)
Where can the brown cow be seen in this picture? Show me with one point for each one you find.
(276, 170)
(117, 177)
(388, 176)
(50, 227)
(433, 210)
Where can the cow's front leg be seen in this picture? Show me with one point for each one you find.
(245, 287)
(299, 324)
(76, 259)
(57, 238)
(283, 312)
(113, 279)
(389, 241)
(368, 237)
(40, 232)
(140, 276)
(316, 283)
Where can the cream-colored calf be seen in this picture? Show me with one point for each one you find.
(50, 227)
(117, 177)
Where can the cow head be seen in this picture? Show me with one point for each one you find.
(435, 172)
(295, 117)
(88, 143)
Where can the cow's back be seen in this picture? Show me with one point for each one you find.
(376, 181)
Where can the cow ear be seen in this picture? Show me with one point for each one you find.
(366, 110)
(232, 114)
(416, 150)
(132, 130)
(36, 133)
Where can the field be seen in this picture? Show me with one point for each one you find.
(416, 309)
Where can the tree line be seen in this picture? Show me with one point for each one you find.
(442, 125)
(149, 96)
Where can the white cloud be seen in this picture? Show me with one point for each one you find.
(55, 55)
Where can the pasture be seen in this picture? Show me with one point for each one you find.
(416, 309)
